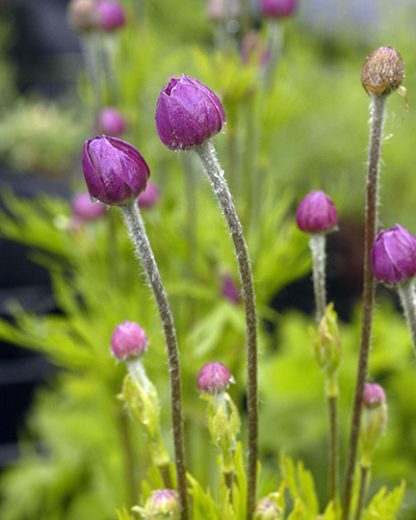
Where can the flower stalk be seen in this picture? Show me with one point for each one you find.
(377, 109)
(317, 243)
(207, 153)
(144, 252)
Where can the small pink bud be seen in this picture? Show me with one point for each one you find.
(214, 377)
(229, 289)
(111, 15)
(111, 122)
(150, 196)
(373, 395)
(316, 213)
(85, 210)
(220, 10)
(128, 341)
(278, 8)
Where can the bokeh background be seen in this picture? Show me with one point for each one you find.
(58, 453)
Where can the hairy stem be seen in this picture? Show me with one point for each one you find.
(144, 252)
(317, 245)
(364, 471)
(407, 297)
(371, 224)
(216, 176)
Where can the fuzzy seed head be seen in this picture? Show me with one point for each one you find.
(382, 72)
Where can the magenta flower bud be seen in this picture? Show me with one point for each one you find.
(111, 122)
(150, 196)
(128, 341)
(214, 377)
(229, 289)
(187, 113)
(278, 8)
(393, 255)
(115, 172)
(111, 15)
(316, 213)
(85, 210)
(373, 395)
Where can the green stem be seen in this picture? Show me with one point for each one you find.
(407, 297)
(333, 447)
(128, 456)
(219, 185)
(364, 472)
(144, 252)
(371, 225)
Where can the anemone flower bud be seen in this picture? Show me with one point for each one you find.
(161, 505)
(382, 71)
(213, 378)
(373, 395)
(128, 341)
(278, 8)
(111, 122)
(316, 213)
(229, 289)
(86, 210)
(220, 10)
(393, 255)
(374, 420)
(115, 172)
(187, 113)
(150, 196)
(82, 15)
(111, 15)
(267, 509)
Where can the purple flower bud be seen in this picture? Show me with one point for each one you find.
(111, 122)
(393, 255)
(373, 395)
(214, 377)
(229, 289)
(382, 72)
(150, 196)
(187, 113)
(82, 15)
(278, 8)
(128, 341)
(163, 503)
(111, 15)
(85, 210)
(115, 172)
(316, 213)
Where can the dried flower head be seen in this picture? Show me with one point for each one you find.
(382, 72)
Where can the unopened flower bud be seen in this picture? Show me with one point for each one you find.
(214, 377)
(229, 289)
(85, 209)
(111, 122)
(393, 255)
(111, 15)
(161, 505)
(187, 113)
(382, 71)
(150, 196)
(222, 10)
(327, 342)
(373, 422)
(316, 213)
(129, 340)
(115, 172)
(82, 15)
(267, 509)
(278, 8)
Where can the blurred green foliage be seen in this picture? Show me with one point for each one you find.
(307, 130)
